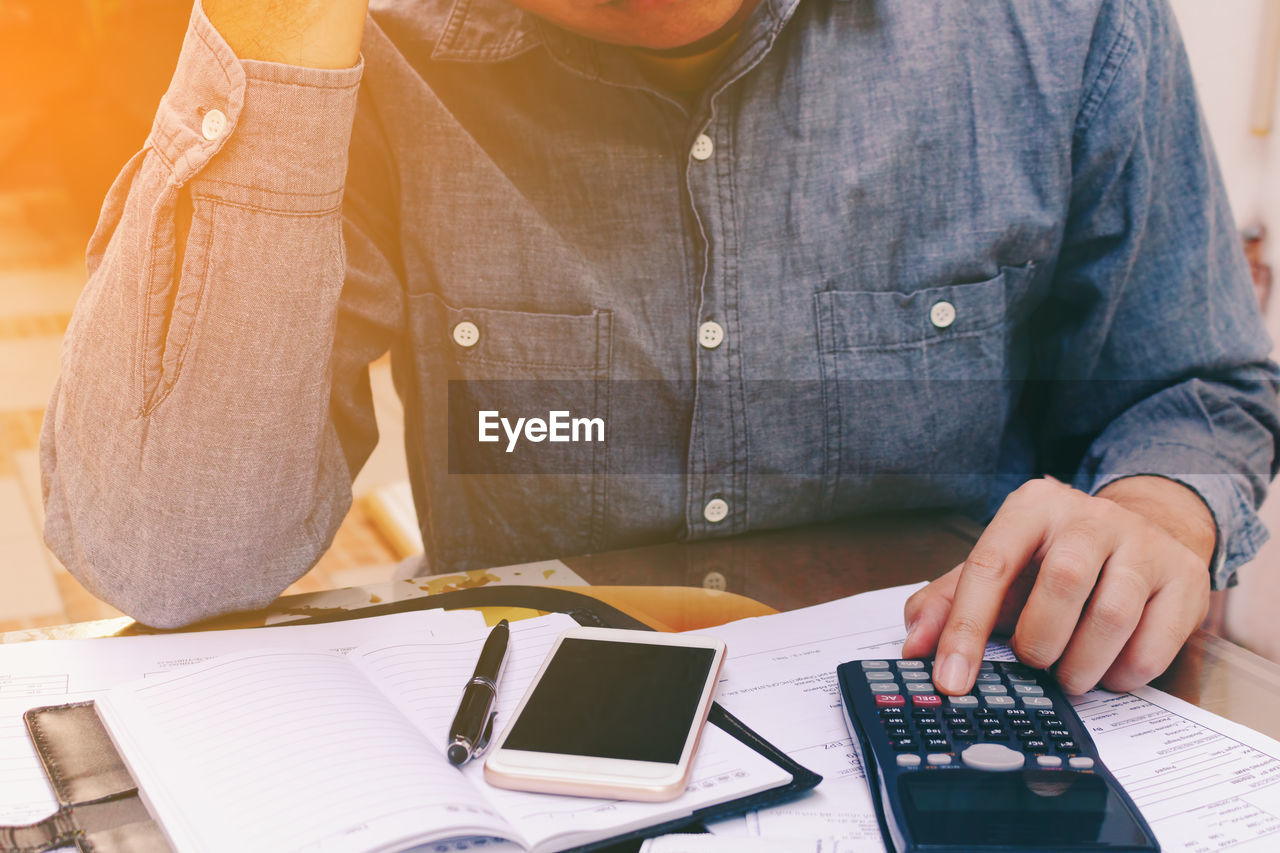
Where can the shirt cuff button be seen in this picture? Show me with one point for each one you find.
(214, 125)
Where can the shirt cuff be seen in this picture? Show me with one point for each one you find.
(256, 133)
(1228, 496)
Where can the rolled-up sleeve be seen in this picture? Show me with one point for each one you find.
(1153, 342)
(191, 464)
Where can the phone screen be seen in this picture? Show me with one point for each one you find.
(606, 699)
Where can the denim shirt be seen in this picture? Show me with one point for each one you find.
(897, 254)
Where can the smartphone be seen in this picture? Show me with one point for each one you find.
(612, 713)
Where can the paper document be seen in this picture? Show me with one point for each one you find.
(1202, 782)
(720, 844)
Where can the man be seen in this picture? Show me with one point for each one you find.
(807, 257)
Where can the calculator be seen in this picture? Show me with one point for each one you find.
(1009, 766)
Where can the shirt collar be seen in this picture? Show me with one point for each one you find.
(485, 31)
(495, 31)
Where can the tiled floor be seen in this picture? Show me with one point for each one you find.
(41, 275)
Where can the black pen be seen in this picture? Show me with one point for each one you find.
(473, 724)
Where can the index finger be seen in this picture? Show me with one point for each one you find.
(1001, 553)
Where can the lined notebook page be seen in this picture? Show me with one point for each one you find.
(288, 750)
(425, 677)
(425, 680)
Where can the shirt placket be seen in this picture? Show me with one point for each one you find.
(716, 499)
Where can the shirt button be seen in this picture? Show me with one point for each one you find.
(466, 334)
(214, 125)
(942, 314)
(715, 511)
(710, 335)
(703, 147)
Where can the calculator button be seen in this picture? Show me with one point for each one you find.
(1017, 714)
(890, 713)
(1025, 733)
(1048, 715)
(936, 743)
(897, 731)
(1080, 762)
(1028, 689)
(920, 687)
(988, 677)
(1019, 679)
(986, 666)
(992, 689)
(878, 675)
(938, 759)
(904, 744)
(885, 687)
(963, 701)
(910, 664)
(924, 714)
(991, 756)
(930, 731)
(875, 664)
(913, 676)
(1058, 734)
(907, 759)
(1022, 725)
(889, 700)
(998, 701)
(1065, 745)
(1036, 702)
(1035, 745)
(1045, 760)
(964, 733)
(926, 700)
(995, 733)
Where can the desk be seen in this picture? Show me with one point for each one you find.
(795, 568)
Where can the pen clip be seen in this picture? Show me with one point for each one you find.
(482, 743)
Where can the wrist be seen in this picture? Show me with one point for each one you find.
(1170, 505)
(308, 33)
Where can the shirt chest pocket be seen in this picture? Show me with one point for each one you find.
(918, 389)
(485, 378)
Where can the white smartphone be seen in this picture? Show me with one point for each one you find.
(612, 713)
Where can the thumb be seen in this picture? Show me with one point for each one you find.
(926, 614)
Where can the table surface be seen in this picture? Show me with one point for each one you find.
(789, 569)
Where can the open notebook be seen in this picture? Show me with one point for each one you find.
(318, 750)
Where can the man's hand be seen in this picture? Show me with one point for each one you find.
(1106, 588)
(312, 33)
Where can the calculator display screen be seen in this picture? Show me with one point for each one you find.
(607, 699)
(1032, 807)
